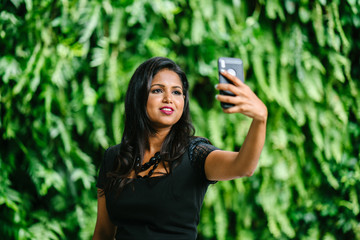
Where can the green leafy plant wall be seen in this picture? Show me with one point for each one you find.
(64, 70)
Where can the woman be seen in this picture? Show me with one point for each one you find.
(152, 185)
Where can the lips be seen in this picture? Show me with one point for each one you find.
(167, 110)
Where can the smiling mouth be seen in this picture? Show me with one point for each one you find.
(167, 110)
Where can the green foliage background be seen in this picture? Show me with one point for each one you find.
(64, 69)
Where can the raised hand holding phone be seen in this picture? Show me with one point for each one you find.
(238, 97)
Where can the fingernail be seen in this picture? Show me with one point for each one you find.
(222, 70)
(216, 96)
(216, 85)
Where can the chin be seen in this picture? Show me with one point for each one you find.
(164, 124)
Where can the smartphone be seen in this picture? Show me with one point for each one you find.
(234, 66)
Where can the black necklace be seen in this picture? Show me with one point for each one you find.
(154, 161)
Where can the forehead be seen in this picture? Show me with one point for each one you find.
(167, 77)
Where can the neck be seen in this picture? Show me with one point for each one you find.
(156, 140)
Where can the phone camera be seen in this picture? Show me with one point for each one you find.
(231, 71)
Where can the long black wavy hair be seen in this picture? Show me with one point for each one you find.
(138, 128)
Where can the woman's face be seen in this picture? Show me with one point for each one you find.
(166, 99)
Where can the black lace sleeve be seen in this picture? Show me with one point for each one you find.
(199, 149)
(107, 165)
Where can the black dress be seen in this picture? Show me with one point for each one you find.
(165, 207)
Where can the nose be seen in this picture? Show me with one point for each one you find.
(167, 97)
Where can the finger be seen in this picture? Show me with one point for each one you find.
(232, 78)
(228, 87)
(249, 111)
(240, 105)
(225, 98)
(235, 100)
(242, 108)
(230, 110)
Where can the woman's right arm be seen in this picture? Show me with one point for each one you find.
(104, 228)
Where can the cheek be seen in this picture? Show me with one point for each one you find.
(149, 105)
(151, 101)
(180, 102)
(182, 105)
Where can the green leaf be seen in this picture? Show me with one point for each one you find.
(90, 21)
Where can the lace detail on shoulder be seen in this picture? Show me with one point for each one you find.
(199, 149)
(107, 165)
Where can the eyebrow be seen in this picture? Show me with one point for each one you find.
(161, 85)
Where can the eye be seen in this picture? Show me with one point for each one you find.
(156, 90)
(176, 92)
